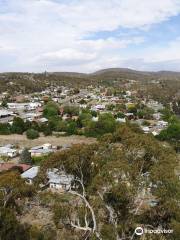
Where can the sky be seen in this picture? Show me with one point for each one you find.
(88, 35)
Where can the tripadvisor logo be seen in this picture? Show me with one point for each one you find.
(140, 231)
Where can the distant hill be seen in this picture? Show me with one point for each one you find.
(121, 71)
(32, 82)
(117, 70)
(126, 73)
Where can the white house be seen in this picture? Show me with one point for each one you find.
(17, 106)
(8, 151)
(98, 107)
(44, 149)
(162, 124)
(59, 180)
(5, 113)
(121, 120)
(156, 106)
(43, 120)
(33, 105)
(32, 116)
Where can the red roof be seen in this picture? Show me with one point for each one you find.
(8, 166)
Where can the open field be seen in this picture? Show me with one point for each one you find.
(22, 141)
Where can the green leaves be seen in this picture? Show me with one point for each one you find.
(32, 134)
(51, 109)
(18, 126)
(123, 174)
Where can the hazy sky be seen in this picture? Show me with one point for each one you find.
(87, 35)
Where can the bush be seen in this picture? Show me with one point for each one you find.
(32, 134)
(5, 129)
(25, 157)
(61, 126)
(37, 160)
(105, 124)
(47, 131)
(18, 125)
(51, 109)
(72, 128)
(71, 110)
(172, 133)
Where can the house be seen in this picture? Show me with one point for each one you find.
(32, 116)
(121, 120)
(157, 116)
(98, 107)
(156, 106)
(8, 151)
(162, 124)
(43, 120)
(30, 174)
(33, 105)
(44, 149)
(59, 180)
(6, 113)
(17, 106)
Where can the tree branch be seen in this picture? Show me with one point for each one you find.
(94, 229)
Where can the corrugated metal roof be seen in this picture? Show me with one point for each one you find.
(30, 173)
(60, 178)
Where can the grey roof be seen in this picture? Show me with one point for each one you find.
(5, 113)
(6, 150)
(43, 151)
(60, 178)
(30, 173)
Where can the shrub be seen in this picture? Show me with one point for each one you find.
(18, 125)
(25, 157)
(51, 109)
(32, 134)
(5, 129)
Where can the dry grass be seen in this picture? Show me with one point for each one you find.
(22, 141)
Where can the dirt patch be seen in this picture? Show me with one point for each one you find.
(22, 141)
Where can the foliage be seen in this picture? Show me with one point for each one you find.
(172, 133)
(51, 109)
(84, 119)
(167, 114)
(113, 180)
(12, 187)
(18, 125)
(32, 134)
(37, 160)
(61, 126)
(71, 128)
(120, 115)
(5, 128)
(105, 124)
(25, 157)
(4, 103)
(146, 113)
(71, 110)
(10, 228)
